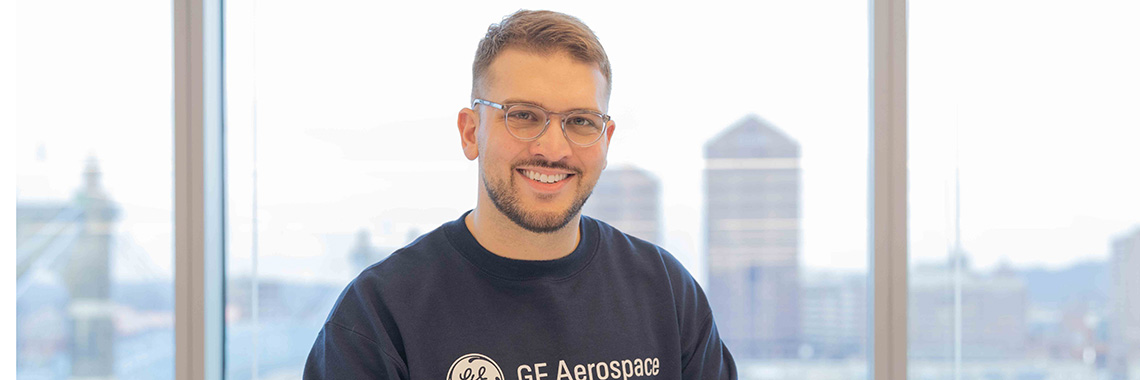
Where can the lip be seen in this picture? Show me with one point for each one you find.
(541, 170)
(545, 188)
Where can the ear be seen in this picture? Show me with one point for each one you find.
(468, 122)
(609, 136)
(610, 133)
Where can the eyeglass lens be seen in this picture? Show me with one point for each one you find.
(527, 122)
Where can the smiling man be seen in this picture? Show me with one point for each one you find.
(523, 286)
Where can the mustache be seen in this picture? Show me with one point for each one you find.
(547, 164)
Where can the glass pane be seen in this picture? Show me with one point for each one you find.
(1024, 219)
(741, 148)
(87, 90)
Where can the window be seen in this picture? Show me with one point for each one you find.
(87, 91)
(1024, 217)
(741, 148)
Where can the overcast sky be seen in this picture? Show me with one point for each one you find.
(356, 104)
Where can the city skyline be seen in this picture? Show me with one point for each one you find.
(350, 128)
(833, 328)
(33, 186)
(1038, 119)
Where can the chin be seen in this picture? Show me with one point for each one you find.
(537, 213)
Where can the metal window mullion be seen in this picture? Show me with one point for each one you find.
(198, 196)
(888, 189)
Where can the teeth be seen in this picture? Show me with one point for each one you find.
(543, 177)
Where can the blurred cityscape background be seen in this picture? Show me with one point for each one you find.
(780, 319)
(742, 148)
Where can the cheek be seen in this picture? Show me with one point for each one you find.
(481, 137)
(498, 157)
(595, 159)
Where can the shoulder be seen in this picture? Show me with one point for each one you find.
(647, 263)
(642, 256)
(395, 280)
(425, 254)
(613, 239)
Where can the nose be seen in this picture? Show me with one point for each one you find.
(553, 144)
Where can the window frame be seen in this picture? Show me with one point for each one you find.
(887, 292)
(199, 204)
(200, 207)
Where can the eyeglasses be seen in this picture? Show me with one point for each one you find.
(528, 122)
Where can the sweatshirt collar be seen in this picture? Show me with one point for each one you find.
(513, 269)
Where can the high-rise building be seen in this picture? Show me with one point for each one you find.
(752, 232)
(1124, 338)
(628, 198)
(834, 312)
(993, 308)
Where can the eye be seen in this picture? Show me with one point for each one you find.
(580, 121)
(522, 115)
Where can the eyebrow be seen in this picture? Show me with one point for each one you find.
(510, 101)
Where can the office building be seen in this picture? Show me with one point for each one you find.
(834, 312)
(752, 231)
(992, 307)
(628, 198)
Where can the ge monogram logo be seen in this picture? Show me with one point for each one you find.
(474, 367)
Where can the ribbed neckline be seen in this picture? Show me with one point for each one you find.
(512, 269)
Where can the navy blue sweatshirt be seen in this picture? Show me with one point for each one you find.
(444, 307)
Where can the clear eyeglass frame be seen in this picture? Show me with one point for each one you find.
(506, 108)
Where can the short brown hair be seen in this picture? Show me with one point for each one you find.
(543, 32)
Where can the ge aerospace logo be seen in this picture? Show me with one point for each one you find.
(474, 367)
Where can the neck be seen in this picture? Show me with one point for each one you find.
(498, 234)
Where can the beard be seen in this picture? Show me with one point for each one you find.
(506, 198)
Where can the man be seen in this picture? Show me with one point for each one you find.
(524, 287)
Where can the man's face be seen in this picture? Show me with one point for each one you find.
(557, 83)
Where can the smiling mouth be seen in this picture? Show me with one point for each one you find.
(544, 178)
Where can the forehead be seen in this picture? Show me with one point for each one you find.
(556, 81)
